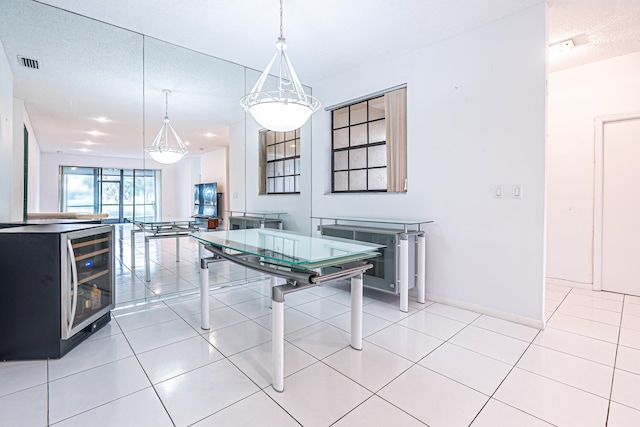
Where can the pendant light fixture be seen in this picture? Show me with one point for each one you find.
(162, 151)
(286, 108)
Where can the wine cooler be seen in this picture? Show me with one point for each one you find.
(56, 287)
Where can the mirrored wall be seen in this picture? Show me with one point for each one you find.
(94, 100)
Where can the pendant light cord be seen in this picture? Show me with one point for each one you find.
(280, 18)
(166, 105)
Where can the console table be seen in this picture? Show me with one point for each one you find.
(296, 258)
(241, 220)
(402, 265)
(159, 229)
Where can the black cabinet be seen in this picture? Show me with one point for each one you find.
(56, 287)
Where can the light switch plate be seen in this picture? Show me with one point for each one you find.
(497, 191)
(517, 192)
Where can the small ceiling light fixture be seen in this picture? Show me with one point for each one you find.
(209, 135)
(286, 108)
(561, 46)
(102, 119)
(95, 133)
(161, 150)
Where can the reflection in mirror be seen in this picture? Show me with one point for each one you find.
(83, 102)
(81, 106)
(296, 205)
(203, 106)
(95, 101)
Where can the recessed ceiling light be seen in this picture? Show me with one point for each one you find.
(102, 119)
(187, 143)
(561, 46)
(209, 135)
(84, 150)
(95, 133)
(88, 142)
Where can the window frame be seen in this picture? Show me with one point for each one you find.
(286, 141)
(351, 147)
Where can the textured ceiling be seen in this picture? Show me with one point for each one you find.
(600, 29)
(324, 36)
(338, 34)
(91, 69)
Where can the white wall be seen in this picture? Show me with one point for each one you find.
(17, 172)
(576, 97)
(476, 118)
(296, 206)
(6, 137)
(244, 180)
(213, 168)
(33, 191)
(20, 120)
(237, 167)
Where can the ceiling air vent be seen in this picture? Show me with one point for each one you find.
(28, 62)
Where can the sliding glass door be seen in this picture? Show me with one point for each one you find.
(111, 194)
(120, 193)
(79, 189)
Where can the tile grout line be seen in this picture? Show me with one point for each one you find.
(413, 363)
(375, 393)
(615, 362)
(147, 376)
(502, 382)
(511, 370)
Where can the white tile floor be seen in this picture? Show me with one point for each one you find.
(437, 365)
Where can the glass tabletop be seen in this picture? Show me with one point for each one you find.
(289, 248)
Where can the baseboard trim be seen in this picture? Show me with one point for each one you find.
(570, 283)
(526, 321)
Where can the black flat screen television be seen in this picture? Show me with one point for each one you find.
(205, 199)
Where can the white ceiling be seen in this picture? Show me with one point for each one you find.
(327, 36)
(91, 69)
(601, 29)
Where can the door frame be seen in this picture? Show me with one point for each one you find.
(598, 184)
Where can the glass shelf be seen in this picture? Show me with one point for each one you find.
(263, 215)
(406, 224)
(163, 221)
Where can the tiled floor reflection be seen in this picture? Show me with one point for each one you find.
(436, 365)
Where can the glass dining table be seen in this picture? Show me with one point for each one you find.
(159, 228)
(298, 259)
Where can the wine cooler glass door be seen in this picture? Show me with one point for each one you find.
(90, 278)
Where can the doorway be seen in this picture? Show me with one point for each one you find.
(617, 204)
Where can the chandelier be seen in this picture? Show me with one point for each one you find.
(286, 108)
(162, 151)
